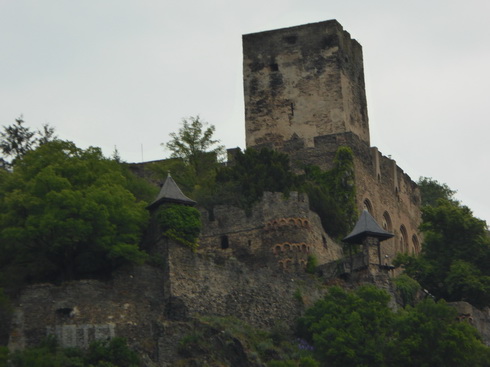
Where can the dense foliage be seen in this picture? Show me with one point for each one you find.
(332, 193)
(252, 173)
(67, 213)
(180, 223)
(359, 329)
(18, 139)
(455, 254)
(113, 353)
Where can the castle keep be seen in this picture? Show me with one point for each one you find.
(305, 95)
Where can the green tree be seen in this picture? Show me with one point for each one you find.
(430, 335)
(195, 157)
(17, 139)
(194, 144)
(359, 329)
(66, 213)
(253, 172)
(349, 328)
(453, 263)
(332, 193)
(431, 191)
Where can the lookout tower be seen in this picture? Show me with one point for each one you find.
(368, 233)
(170, 193)
(303, 81)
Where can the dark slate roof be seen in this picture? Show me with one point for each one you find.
(366, 226)
(170, 193)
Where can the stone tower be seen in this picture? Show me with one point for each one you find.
(303, 81)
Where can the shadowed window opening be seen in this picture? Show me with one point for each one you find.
(65, 311)
(274, 67)
(224, 242)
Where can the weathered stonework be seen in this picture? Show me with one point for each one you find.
(303, 81)
(304, 95)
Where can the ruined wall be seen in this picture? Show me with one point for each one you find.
(251, 266)
(77, 313)
(306, 81)
(304, 95)
(382, 187)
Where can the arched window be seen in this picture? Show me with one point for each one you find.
(368, 206)
(416, 244)
(403, 239)
(387, 226)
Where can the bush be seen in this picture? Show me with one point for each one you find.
(180, 223)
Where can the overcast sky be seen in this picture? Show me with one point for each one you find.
(121, 73)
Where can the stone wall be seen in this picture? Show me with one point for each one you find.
(382, 187)
(250, 266)
(303, 81)
(131, 305)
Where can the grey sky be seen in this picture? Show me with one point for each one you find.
(123, 73)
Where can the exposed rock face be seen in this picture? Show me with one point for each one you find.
(480, 319)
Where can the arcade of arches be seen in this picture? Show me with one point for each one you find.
(403, 242)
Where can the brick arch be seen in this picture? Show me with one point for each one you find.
(292, 222)
(277, 249)
(286, 246)
(283, 222)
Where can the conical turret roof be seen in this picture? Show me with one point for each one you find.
(170, 193)
(366, 226)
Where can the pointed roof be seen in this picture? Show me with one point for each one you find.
(170, 193)
(367, 226)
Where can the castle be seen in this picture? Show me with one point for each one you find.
(305, 96)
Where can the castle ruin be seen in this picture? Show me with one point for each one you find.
(305, 96)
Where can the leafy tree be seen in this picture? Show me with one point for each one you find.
(195, 157)
(431, 191)
(453, 263)
(253, 172)
(430, 335)
(16, 140)
(67, 213)
(349, 329)
(194, 143)
(407, 288)
(332, 193)
(359, 329)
